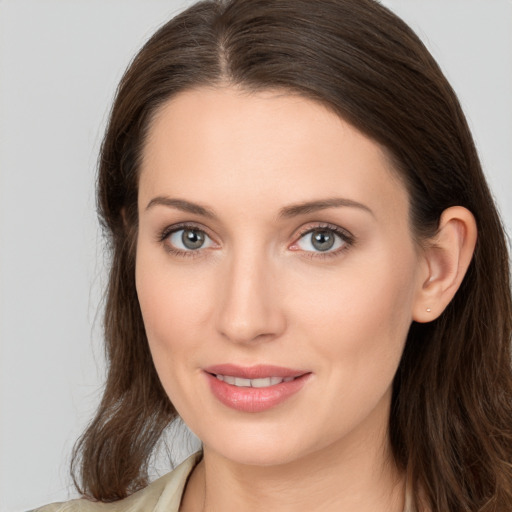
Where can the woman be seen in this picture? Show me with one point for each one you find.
(307, 267)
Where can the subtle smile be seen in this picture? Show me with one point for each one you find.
(256, 388)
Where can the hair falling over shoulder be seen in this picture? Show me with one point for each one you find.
(451, 417)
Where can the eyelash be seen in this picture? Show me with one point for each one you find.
(164, 235)
(346, 237)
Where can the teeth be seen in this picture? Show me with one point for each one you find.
(229, 379)
(265, 383)
(253, 383)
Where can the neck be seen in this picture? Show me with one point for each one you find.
(343, 477)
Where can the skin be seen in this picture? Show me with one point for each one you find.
(258, 292)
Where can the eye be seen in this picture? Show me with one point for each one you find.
(322, 240)
(188, 239)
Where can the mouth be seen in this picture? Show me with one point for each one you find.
(253, 383)
(255, 388)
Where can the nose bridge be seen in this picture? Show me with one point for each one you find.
(249, 308)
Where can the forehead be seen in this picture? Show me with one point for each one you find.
(223, 144)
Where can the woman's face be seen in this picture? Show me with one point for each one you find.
(276, 273)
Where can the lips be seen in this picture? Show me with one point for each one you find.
(254, 388)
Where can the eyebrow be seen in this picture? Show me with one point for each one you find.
(181, 204)
(286, 212)
(323, 204)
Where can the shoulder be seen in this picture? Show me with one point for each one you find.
(163, 494)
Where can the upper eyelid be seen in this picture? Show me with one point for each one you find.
(164, 233)
(310, 226)
(327, 226)
(346, 238)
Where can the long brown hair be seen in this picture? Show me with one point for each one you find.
(451, 417)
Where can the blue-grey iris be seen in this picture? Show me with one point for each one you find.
(192, 238)
(322, 240)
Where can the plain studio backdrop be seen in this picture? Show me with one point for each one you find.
(60, 62)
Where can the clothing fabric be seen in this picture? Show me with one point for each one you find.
(162, 495)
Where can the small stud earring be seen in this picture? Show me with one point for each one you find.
(428, 310)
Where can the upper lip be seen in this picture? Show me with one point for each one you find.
(261, 371)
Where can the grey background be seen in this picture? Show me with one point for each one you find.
(60, 62)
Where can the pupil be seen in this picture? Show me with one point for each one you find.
(192, 239)
(322, 240)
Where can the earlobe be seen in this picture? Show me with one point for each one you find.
(447, 258)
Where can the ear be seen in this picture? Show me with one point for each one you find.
(447, 257)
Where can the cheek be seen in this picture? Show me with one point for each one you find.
(176, 304)
(167, 305)
(355, 328)
(169, 309)
(361, 315)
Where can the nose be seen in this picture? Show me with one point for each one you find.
(249, 306)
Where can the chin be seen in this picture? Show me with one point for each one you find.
(259, 447)
(251, 456)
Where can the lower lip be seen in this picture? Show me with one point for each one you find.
(247, 399)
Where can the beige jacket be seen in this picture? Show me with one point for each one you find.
(162, 495)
